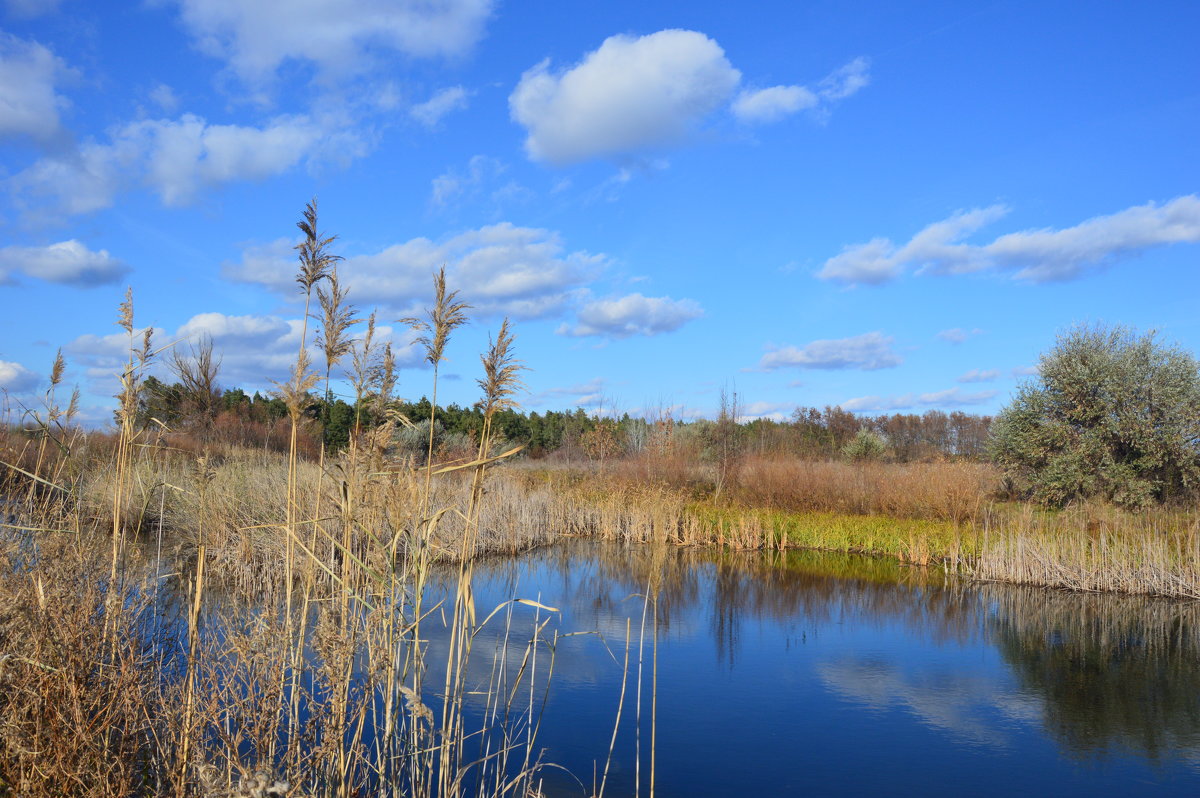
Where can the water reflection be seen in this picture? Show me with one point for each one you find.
(1112, 672)
(990, 667)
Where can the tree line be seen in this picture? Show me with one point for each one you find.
(206, 412)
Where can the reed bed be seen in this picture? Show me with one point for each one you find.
(1094, 548)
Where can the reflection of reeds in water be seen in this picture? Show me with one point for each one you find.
(1114, 672)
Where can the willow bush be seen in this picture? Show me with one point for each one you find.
(1111, 414)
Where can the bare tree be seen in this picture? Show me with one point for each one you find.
(197, 372)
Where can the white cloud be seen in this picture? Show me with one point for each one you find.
(67, 262)
(867, 352)
(774, 411)
(164, 97)
(632, 315)
(1034, 255)
(29, 104)
(1043, 255)
(587, 394)
(27, 9)
(776, 102)
(1024, 371)
(957, 335)
(455, 184)
(336, 36)
(979, 375)
(843, 82)
(871, 263)
(630, 94)
(499, 269)
(430, 112)
(15, 378)
(951, 397)
(177, 159)
(937, 248)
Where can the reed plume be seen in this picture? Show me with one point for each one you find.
(52, 422)
(337, 317)
(363, 364)
(446, 315)
(500, 382)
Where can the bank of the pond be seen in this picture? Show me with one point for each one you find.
(1086, 548)
(236, 507)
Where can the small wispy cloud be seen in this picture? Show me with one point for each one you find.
(980, 375)
(867, 352)
(958, 335)
(758, 106)
(773, 411)
(951, 397)
(446, 101)
(586, 395)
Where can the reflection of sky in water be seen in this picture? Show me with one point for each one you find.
(837, 676)
(969, 706)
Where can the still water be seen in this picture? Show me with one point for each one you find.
(808, 673)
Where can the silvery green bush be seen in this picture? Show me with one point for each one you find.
(1111, 414)
(866, 445)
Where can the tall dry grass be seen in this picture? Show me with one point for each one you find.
(1094, 547)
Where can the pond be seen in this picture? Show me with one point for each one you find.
(808, 673)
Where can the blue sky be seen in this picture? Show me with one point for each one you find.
(892, 207)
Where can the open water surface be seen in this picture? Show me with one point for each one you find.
(807, 673)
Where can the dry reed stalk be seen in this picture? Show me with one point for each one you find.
(445, 315)
(315, 264)
(337, 317)
(620, 705)
(193, 650)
